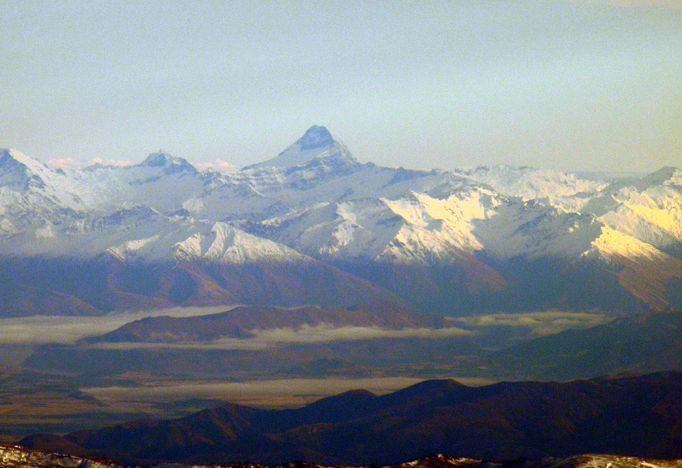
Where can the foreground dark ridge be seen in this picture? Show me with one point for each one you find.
(16, 456)
(636, 416)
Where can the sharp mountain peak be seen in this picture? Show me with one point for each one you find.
(163, 159)
(316, 143)
(316, 136)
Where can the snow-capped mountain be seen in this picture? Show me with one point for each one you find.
(530, 183)
(649, 209)
(227, 244)
(316, 143)
(483, 239)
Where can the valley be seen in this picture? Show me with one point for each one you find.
(159, 291)
(164, 366)
(341, 233)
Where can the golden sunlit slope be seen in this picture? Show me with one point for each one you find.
(646, 271)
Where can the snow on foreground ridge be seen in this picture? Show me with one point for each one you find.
(13, 456)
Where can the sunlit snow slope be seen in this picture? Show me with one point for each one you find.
(489, 238)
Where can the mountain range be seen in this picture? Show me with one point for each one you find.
(500, 421)
(313, 225)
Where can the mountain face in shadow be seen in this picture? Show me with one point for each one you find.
(642, 343)
(639, 416)
(52, 286)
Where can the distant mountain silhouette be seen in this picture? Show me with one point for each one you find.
(639, 416)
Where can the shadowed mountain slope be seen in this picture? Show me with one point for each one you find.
(624, 415)
(643, 343)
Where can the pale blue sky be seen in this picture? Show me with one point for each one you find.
(579, 85)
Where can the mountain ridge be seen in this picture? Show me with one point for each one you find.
(499, 421)
(406, 231)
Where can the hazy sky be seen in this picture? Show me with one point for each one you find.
(570, 84)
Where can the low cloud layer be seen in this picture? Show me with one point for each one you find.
(64, 163)
(110, 162)
(540, 323)
(326, 333)
(323, 333)
(217, 165)
(39, 330)
(66, 330)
